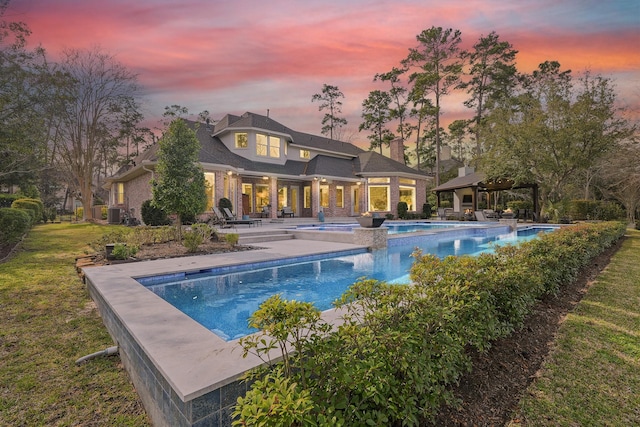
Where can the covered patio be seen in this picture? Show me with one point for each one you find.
(469, 186)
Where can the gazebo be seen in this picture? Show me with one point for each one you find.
(468, 184)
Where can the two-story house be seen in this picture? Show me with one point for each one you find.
(264, 166)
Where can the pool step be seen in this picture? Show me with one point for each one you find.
(264, 237)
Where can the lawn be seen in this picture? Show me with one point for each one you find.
(592, 376)
(49, 321)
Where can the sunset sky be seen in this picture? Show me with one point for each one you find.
(254, 55)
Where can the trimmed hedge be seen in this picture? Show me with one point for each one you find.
(31, 204)
(595, 210)
(401, 347)
(14, 223)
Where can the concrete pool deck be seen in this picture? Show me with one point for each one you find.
(184, 373)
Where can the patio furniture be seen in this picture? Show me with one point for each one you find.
(286, 211)
(232, 220)
(442, 214)
(491, 214)
(266, 212)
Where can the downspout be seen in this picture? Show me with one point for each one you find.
(106, 352)
(147, 170)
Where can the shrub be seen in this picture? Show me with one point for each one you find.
(609, 211)
(426, 210)
(402, 210)
(124, 251)
(152, 215)
(14, 223)
(232, 238)
(188, 218)
(197, 235)
(49, 214)
(225, 203)
(31, 204)
(191, 240)
(400, 347)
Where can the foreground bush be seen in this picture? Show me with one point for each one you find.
(400, 347)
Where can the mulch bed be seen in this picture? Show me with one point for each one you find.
(490, 393)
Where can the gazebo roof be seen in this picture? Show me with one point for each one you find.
(478, 179)
(471, 180)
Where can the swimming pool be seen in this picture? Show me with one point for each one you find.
(395, 227)
(222, 299)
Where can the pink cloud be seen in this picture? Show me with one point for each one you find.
(277, 54)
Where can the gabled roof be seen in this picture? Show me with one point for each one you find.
(256, 121)
(471, 180)
(331, 167)
(371, 162)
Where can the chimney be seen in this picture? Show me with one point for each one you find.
(396, 150)
(445, 153)
(466, 170)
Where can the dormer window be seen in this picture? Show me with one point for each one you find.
(242, 140)
(267, 145)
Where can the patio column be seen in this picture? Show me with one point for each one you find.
(273, 197)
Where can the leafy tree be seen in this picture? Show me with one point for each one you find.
(179, 186)
(437, 59)
(97, 94)
(330, 100)
(553, 130)
(457, 132)
(493, 77)
(376, 114)
(21, 124)
(424, 112)
(400, 100)
(620, 176)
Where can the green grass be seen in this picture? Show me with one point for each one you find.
(592, 377)
(48, 321)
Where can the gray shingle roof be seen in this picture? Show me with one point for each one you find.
(257, 121)
(356, 162)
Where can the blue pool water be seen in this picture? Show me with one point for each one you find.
(222, 299)
(395, 227)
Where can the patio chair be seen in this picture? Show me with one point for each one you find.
(286, 211)
(220, 217)
(480, 216)
(231, 219)
(442, 214)
(490, 214)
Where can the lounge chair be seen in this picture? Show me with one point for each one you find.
(232, 220)
(483, 216)
(490, 214)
